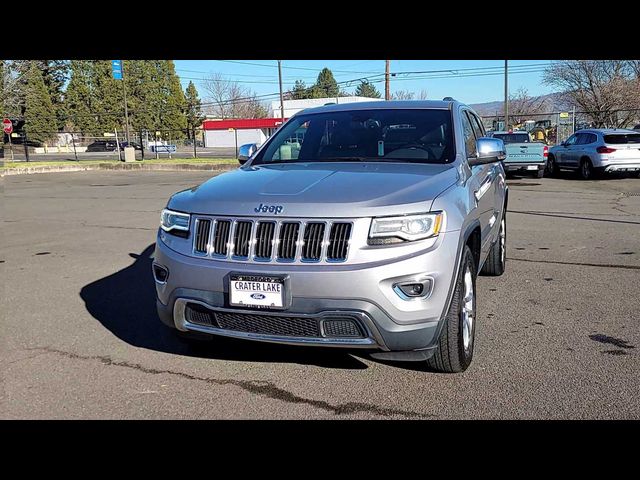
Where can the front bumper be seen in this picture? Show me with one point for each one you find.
(364, 291)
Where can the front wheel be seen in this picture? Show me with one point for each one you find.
(494, 266)
(455, 346)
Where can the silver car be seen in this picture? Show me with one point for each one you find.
(357, 225)
(595, 151)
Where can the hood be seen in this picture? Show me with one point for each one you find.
(319, 190)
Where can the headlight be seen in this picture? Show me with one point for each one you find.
(170, 220)
(410, 227)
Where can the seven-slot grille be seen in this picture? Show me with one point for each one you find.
(268, 240)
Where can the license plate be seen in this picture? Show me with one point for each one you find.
(532, 167)
(256, 291)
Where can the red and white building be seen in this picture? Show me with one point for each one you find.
(222, 133)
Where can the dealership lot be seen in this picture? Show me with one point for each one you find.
(557, 337)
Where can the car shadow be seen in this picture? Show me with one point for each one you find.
(124, 303)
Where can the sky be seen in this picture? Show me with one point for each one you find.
(470, 81)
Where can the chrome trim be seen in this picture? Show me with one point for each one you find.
(330, 260)
(622, 166)
(274, 259)
(422, 280)
(322, 246)
(372, 341)
(153, 265)
(254, 239)
(196, 221)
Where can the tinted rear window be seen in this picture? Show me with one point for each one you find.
(619, 139)
(513, 137)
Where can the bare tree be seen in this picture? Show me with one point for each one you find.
(521, 105)
(608, 90)
(228, 99)
(402, 95)
(423, 95)
(11, 100)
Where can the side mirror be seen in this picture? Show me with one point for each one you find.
(246, 151)
(490, 150)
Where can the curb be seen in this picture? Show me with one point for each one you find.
(216, 167)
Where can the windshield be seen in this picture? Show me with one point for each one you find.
(513, 137)
(619, 139)
(394, 135)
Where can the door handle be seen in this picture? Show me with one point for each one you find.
(483, 187)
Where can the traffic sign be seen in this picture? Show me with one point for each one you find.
(564, 115)
(7, 126)
(116, 68)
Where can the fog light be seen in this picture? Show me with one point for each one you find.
(160, 273)
(408, 290)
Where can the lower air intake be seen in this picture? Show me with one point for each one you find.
(342, 328)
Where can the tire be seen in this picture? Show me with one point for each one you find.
(455, 346)
(494, 266)
(552, 167)
(586, 172)
(540, 174)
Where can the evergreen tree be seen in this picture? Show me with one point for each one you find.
(366, 89)
(194, 108)
(174, 101)
(299, 91)
(54, 74)
(39, 114)
(80, 99)
(325, 86)
(142, 94)
(108, 95)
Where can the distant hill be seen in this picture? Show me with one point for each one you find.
(552, 103)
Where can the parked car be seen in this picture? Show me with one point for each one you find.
(135, 145)
(595, 151)
(523, 155)
(637, 128)
(102, 146)
(369, 235)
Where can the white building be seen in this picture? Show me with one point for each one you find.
(238, 131)
(291, 107)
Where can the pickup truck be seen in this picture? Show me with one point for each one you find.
(523, 155)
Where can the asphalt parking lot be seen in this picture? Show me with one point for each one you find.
(558, 335)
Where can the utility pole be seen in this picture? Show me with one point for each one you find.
(126, 111)
(506, 95)
(387, 95)
(281, 97)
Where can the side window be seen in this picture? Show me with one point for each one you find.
(469, 136)
(592, 138)
(572, 140)
(476, 123)
(583, 138)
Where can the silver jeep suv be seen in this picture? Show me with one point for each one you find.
(356, 225)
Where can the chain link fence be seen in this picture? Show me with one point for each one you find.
(24, 145)
(555, 127)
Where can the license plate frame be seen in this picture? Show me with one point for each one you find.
(241, 298)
